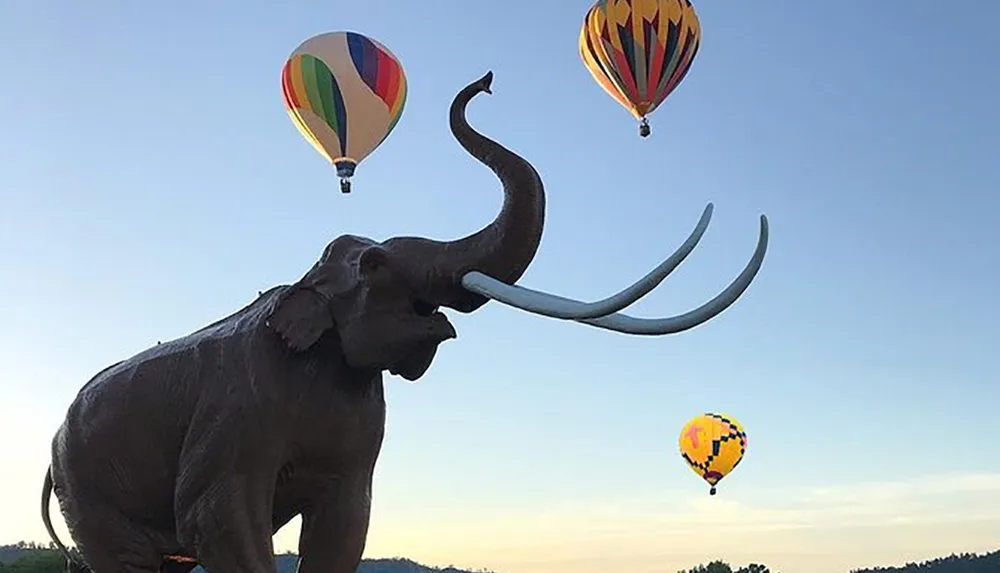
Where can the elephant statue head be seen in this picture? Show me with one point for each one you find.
(381, 300)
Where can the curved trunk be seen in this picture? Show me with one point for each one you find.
(504, 248)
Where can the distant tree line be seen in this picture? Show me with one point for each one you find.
(723, 567)
(35, 558)
(955, 563)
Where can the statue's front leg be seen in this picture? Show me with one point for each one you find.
(335, 527)
(227, 523)
(225, 494)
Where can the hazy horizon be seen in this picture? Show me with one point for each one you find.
(151, 183)
(829, 529)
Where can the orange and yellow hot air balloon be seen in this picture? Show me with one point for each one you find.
(640, 50)
(713, 445)
(345, 93)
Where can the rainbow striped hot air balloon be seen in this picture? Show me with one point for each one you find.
(345, 93)
(640, 50)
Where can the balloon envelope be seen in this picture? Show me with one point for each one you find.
(712, 445)
(639, 50)
(345, 93)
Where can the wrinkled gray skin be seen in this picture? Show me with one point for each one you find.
(206, 445)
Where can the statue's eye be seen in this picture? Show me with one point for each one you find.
(423, 308)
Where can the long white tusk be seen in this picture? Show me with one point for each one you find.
(555, 306)
(659, 326)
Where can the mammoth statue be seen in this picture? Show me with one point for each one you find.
(197, 450)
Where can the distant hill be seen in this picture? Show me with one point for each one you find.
(10, 553)
(958, 563)
(285, 563)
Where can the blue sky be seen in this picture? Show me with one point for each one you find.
(150, 183)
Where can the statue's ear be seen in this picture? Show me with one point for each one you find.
(301, 315)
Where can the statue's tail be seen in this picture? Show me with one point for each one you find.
(72, 566)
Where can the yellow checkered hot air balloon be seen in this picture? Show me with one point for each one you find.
(640, 50)
(345, 93)
(712, 445)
